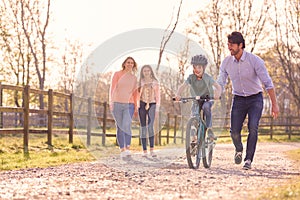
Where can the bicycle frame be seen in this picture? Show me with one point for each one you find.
(203, 148)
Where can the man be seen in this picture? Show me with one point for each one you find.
(247, 73)
(201, 84)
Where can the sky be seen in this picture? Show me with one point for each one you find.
(93, 22)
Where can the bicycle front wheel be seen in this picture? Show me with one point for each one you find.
(207, 150)
(192, 144)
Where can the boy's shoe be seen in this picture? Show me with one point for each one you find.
(238, 157)
(193, 144)
(211, 135)
(247, 165)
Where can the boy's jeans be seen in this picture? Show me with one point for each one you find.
(241, 107)
(206, 110)
(122, 113)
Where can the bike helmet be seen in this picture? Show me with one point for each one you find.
(199, 60)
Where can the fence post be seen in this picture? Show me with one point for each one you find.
(1, 104)
(175, 127)
(168, 127)
(26, 118)
(104, 123)
(159, 129)
(89, 121)
(71, 120)
(50, 118)
(290, 126)
(271, 128)
(182, 129)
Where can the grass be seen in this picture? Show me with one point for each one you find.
(12, 156)
(40, 155)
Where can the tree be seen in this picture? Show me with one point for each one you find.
(71, 60)
(35, 16)
(212, 24)
(167, 36)
(287, 44)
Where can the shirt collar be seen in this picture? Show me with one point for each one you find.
(243, 58)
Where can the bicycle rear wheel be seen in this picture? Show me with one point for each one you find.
(192, 144)
(207, 150)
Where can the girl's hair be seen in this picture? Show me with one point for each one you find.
(142, 75)
(134, 64)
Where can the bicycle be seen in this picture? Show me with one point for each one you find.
(198, 144)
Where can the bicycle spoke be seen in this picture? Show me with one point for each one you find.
(192, 147)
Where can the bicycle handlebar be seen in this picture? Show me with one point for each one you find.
(199, 98)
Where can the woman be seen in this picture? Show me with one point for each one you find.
(149, 106)
(123, 103)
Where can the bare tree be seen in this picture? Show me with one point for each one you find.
(167, 36)
(35, 18)
(287, 45)
(71, 60)
(213, 23)
(182, 58)
(16, 54)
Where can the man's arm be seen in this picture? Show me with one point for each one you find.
(275, 107)
(217, 91)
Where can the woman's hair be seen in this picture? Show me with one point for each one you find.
(142, 75)
(134, 65)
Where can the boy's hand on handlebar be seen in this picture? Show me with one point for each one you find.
(177, 98)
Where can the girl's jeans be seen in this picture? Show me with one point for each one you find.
(241, 107)
(122, 113)
(147, 127)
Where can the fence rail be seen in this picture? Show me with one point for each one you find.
(87, 113)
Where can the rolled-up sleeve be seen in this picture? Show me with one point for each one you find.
(222, 78)
(263, 75)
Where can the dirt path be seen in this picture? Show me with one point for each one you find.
(166, 177)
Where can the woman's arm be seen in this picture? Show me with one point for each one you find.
(113, 86)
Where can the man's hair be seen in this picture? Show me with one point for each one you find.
(236, 38)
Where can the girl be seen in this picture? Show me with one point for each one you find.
(149, 106)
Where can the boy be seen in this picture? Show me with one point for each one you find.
(201, 84)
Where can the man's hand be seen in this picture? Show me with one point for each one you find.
(217, 96)
(275, 110)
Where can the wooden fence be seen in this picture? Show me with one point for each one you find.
(89, 112)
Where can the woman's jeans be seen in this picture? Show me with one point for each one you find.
(206, 107)
(241, 107)
(122, 113)
(147, 127)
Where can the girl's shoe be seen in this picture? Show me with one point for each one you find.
(153, 154)
(145, 155)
